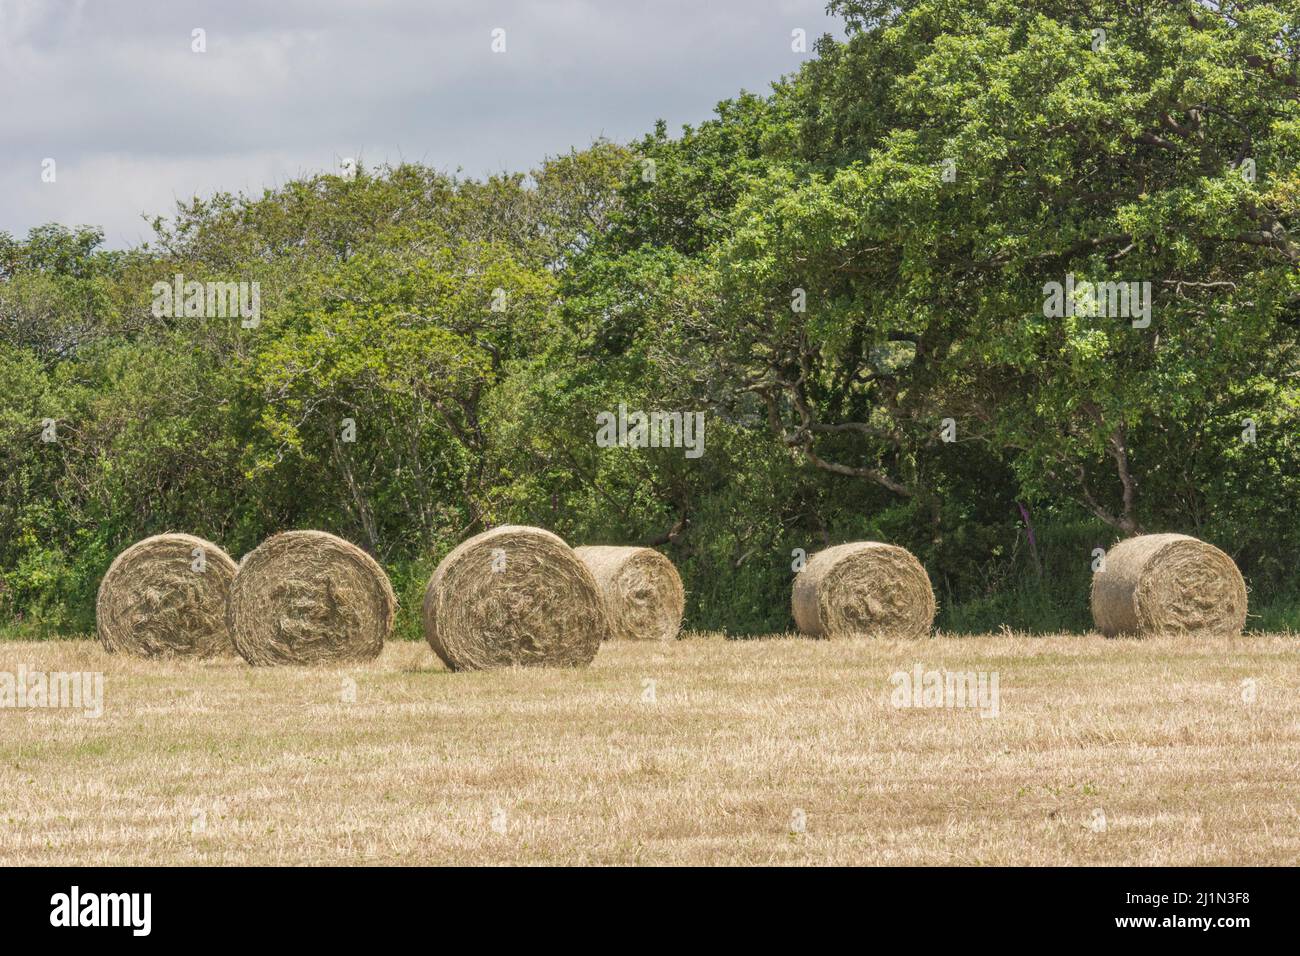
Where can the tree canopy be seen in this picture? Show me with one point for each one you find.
(998, 281)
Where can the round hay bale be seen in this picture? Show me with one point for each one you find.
(863, 588)
(641, 589)
(307, 597)
(1156, 583)
(513, 596)
(155, 601)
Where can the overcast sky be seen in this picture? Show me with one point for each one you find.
(134, 119)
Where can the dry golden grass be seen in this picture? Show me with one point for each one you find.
(220, 763)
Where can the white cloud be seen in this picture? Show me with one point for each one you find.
(135, 119)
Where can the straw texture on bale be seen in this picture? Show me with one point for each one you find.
(641, 589)
(1169, 583)
(153, 603)
(307, 597)
(863, 588)
(513, 596)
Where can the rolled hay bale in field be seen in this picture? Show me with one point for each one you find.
(513, 596)
(1156, 583)
(863, 588)
(165, 596)
(307, 597)
(641, 590)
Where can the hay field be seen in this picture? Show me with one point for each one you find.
(776, 751)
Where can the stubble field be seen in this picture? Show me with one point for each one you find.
(702, 751)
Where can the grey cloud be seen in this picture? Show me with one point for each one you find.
(134, 119)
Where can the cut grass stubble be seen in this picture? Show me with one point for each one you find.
(694, 751)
